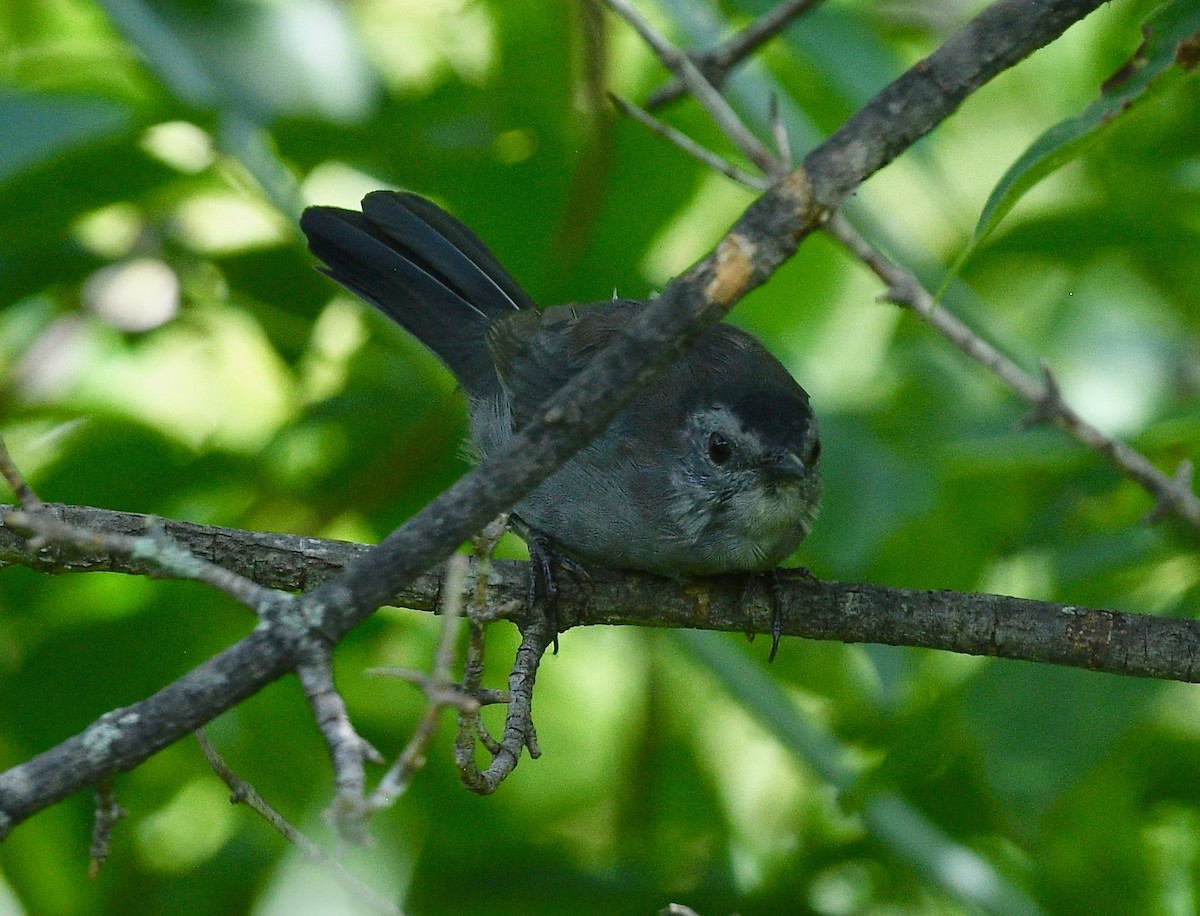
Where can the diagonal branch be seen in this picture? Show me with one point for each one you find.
(245, 793)
(699, 86)
(688, 145)
(925, 95)
(1173, 494)
(717, 64)
(16, 481)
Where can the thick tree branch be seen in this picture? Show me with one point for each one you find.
(974, 624)
(151, 546)
(924, 96)
(281, 561)
(762, 240)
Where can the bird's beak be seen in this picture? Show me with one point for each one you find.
(788, 467)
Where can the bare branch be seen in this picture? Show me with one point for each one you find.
(1001, 35)
(519, 731)
(273, 561)
(959, 622)
(471, 729)
(717, 64)
(518, 728)
(783, 143)
(1173, 494)
(977, 624)
(347, 748)
(246, 794)
(439, 692)
(688, 145)
(439, 689)
(1181, 489)
(16, 481)
(712, 101)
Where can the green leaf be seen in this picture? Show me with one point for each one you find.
(39, 127)
(1169, 49)
(262, 59)
(892, 820)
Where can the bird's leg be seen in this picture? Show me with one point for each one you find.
(544, 561)
(776, 613)
(543, 584)
(772, 582)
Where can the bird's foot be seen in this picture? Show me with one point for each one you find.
(545, 559)
(772, 582)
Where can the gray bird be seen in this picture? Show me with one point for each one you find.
(711, 468)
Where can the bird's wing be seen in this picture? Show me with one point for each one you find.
(536, 351)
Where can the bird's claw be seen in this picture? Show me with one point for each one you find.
(771, 579)
(543, 580)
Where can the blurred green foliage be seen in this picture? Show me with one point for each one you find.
(165, 347)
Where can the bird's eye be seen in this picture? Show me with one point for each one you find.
(814, 454)
(719, 449)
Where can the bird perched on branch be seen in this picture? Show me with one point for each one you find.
(710, 468)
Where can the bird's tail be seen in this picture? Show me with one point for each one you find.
(423, 269)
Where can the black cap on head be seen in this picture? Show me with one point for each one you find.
(781, 416)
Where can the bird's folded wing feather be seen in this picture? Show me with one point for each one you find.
(537, 351)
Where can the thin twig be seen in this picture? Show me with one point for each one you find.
(16, 481)
(519, 731)
(471, 728)
(783, 143)
(481, 612)
(348, 750)
(1182, 484)
(763, 29)
(246, 794)
(108, 813)
(470, 724)
(710, 99)
(439, 690)
(691, 147)
(717, 64)
(1172, 494)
